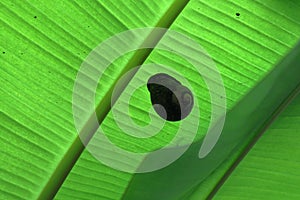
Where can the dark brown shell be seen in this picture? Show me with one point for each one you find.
(176, 99)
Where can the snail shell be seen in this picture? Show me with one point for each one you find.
(171, 100)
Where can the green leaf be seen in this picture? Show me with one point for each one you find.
(271, 168)
(246, 50)
(44, 44)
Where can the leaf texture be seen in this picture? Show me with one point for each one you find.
(271, 168)
(43, 45)
(246, 49)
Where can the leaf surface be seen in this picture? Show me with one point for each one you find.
(247, 50)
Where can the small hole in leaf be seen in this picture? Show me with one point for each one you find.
(170, 99)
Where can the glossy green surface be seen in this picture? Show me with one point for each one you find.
(271, 168)
(43, 44)
(245, 49)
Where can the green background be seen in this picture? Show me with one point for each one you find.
(43, 44)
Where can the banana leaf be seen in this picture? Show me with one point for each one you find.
(253, 46)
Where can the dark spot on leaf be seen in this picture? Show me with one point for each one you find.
(237, 14)
(3, 52)
(170, 99)
(35, 17)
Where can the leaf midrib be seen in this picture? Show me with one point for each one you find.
(73, 153)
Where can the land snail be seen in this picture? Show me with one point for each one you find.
(170, 99)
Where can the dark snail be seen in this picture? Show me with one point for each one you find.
(171, 100)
